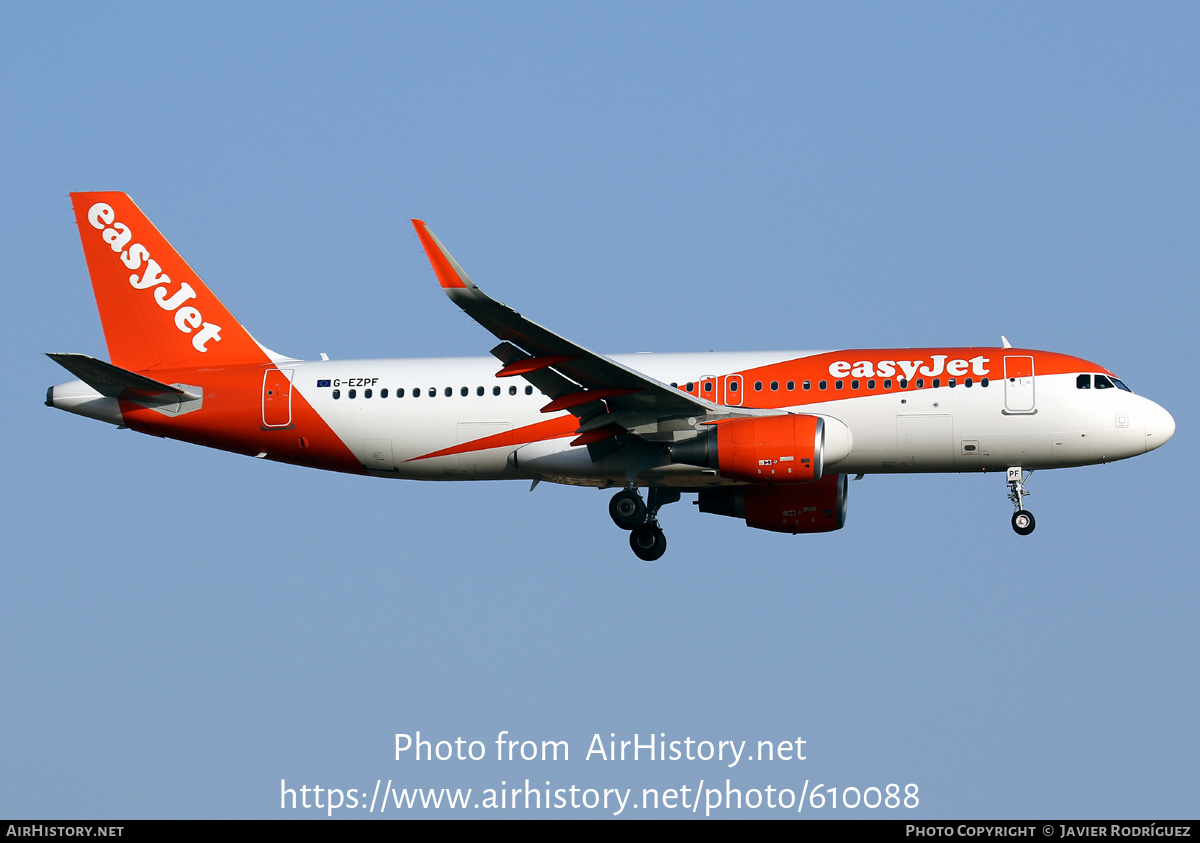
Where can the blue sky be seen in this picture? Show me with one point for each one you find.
(183, 628)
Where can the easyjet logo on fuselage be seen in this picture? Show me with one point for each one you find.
(187, 318)
(931, 368)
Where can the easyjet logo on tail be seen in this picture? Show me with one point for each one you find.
(187, 318)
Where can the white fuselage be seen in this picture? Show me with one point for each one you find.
(919, 430)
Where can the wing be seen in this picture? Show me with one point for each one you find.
(598, 390)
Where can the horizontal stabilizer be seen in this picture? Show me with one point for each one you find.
(115, 382)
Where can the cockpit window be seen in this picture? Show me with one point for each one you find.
(1102, 382)
(1083, 382)
(1121, 385)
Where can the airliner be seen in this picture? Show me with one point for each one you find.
(767, 437)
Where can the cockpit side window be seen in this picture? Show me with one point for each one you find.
(1121, 385)
(1083, 382)
(1102, 382)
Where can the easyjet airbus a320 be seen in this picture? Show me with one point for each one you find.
(769, 437)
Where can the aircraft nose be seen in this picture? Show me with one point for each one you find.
(1159, 427)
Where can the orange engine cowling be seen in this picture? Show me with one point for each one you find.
(817, 507)
(764, 449)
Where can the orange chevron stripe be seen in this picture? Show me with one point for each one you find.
(555, 428)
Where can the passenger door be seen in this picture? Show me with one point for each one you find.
(1018, 384)
(277, 398)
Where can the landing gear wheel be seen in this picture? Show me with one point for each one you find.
(648, 542)
(627, 509)
(1022, 522)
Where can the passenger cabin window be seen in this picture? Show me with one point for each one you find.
(904, 383)
(495, 390)
(512, 390)
(774, 386)
(733, 386)
(417, 392)
(479, 390)
(449, 391)
(383, 392)
(920, 383)
(758, 386)
(823, 385)
(400, 392)
(529, 390)
(366, 393)
(1083, 382)
(337, 393)
(791, 385)
(465, 391)
(352, 393)
(807, 385)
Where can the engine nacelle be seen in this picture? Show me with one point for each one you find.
(817, 507)
(762, 449)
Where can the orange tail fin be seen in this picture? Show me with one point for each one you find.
(156, 312)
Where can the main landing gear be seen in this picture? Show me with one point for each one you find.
(1022, 520)
(630, 512)
(627, 509)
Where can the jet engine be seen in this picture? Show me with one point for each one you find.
(816, 507)
(763, 449)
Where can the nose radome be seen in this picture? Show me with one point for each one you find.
(1159, 427)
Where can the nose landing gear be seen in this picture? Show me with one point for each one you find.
(629, 512)
(1022, 521)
